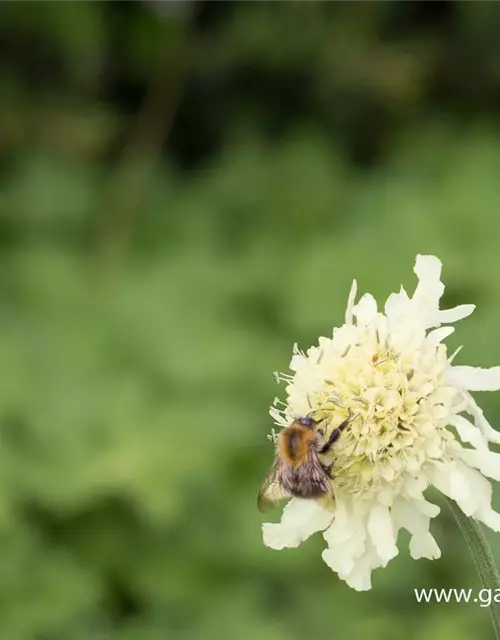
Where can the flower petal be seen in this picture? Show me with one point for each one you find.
(424, 546)
(488, 462)
(414, 516)
(350, 302)
(473, 409)
(490, 518)
(365, 310)
(428, 268)
(477, 502)
(448, 478)
(346, 538)
(427, 508)
(446, 316)
(407, 516)
(429, 289)
(381, 530)
(360, 577)
(300, 519)
(396, 307)
(342, 558)
(344, 526)
(474, 378)
(468, 432)
(436, 336)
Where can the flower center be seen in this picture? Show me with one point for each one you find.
(401, 409)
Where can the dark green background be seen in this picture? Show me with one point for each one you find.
(186, 191)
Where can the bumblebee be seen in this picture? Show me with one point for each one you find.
(297, 470)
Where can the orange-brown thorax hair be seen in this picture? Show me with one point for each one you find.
(294, 443)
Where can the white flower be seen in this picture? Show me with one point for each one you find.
(417, 425)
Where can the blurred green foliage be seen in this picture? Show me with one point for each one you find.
(186, 191)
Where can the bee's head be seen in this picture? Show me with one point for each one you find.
(306, 421)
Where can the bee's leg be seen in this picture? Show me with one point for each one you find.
(328, 469)
(334, 436)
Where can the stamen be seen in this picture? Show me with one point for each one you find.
(272, 436)
(278, 401)
(454, 354)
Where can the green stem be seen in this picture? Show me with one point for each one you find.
(483, 558)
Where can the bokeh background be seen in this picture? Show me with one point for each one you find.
(187, 190)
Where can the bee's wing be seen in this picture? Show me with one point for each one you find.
(329, 493)
(328, 499)
(272, 490)
(313, 478)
